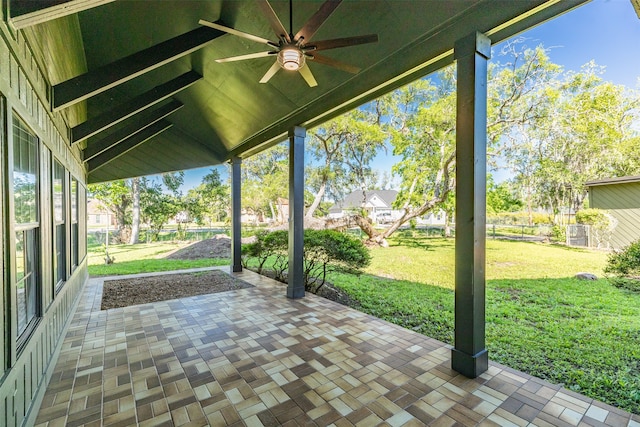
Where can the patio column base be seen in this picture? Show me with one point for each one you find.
(295, 292)
(468, 365)
(236, 268)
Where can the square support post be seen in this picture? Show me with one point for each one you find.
(236, 207)
(469, 356)
(295, 277)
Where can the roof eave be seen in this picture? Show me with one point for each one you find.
(609, 181)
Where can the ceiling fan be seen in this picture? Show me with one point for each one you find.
(293, 51)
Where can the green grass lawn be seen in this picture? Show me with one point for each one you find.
(540, 320)
(142, 258)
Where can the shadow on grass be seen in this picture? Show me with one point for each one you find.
(427, 243)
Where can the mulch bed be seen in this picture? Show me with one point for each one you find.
(126, 292)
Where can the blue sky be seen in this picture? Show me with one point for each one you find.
(606, 31)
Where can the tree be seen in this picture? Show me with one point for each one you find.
(175, 203)
(209, 201)
(156, 207)
(135, 217)
(501, 197)
(421, 119)
(265, 180)
(117, 198)
(344, 148)
(583, 130)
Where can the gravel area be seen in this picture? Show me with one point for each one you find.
(126, 292)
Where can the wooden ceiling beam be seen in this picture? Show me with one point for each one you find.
(128, 144)
(95, 148)
(139, 103)
(57, 10)
(101, 79)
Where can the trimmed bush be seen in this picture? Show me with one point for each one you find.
(330, 250)
(624, 265)
(324, 251)
(268, 246)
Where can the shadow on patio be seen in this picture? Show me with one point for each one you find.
(253, 357)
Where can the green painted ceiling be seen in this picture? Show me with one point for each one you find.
(228, 112)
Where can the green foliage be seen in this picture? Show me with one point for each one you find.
(117, 198)
(330, 250)
(601, 223)
(209, 201)
(518, 218)
(343, 150)
(156, 207)
(324, 251)
(501, 197)
(591, 216)
(628, 283)
(581, 129)
(151, 265)
(265, 179)
(625, 262)
(271, 246)
(559, 233)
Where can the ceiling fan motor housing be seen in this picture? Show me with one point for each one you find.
(291, 58)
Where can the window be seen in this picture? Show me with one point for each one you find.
(59, 225)
(98, 218)
(27, 226)
(74, 223)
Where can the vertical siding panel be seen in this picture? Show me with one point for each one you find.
(23, 383)
(623, 203)
(13, 75)
(20, 395)
(35, 370)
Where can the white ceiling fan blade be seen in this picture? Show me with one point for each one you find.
(236, 32)
(307, 75)
(248, 56)
(272, 71)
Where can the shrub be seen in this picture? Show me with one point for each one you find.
(558, 233)
(268, 245)
(330, 250)
(324, 251)
(624, 265)
(626, 261)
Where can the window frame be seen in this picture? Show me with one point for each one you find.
(60, 262)
(32, 255)
(74, 229)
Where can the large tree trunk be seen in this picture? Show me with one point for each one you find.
(447, 225)
(317, 199)
(135, 218)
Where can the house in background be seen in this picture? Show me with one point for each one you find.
(379, 207)
(621, 198)
(377, 203)
(98, 215)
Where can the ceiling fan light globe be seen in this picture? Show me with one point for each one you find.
(291, 59)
